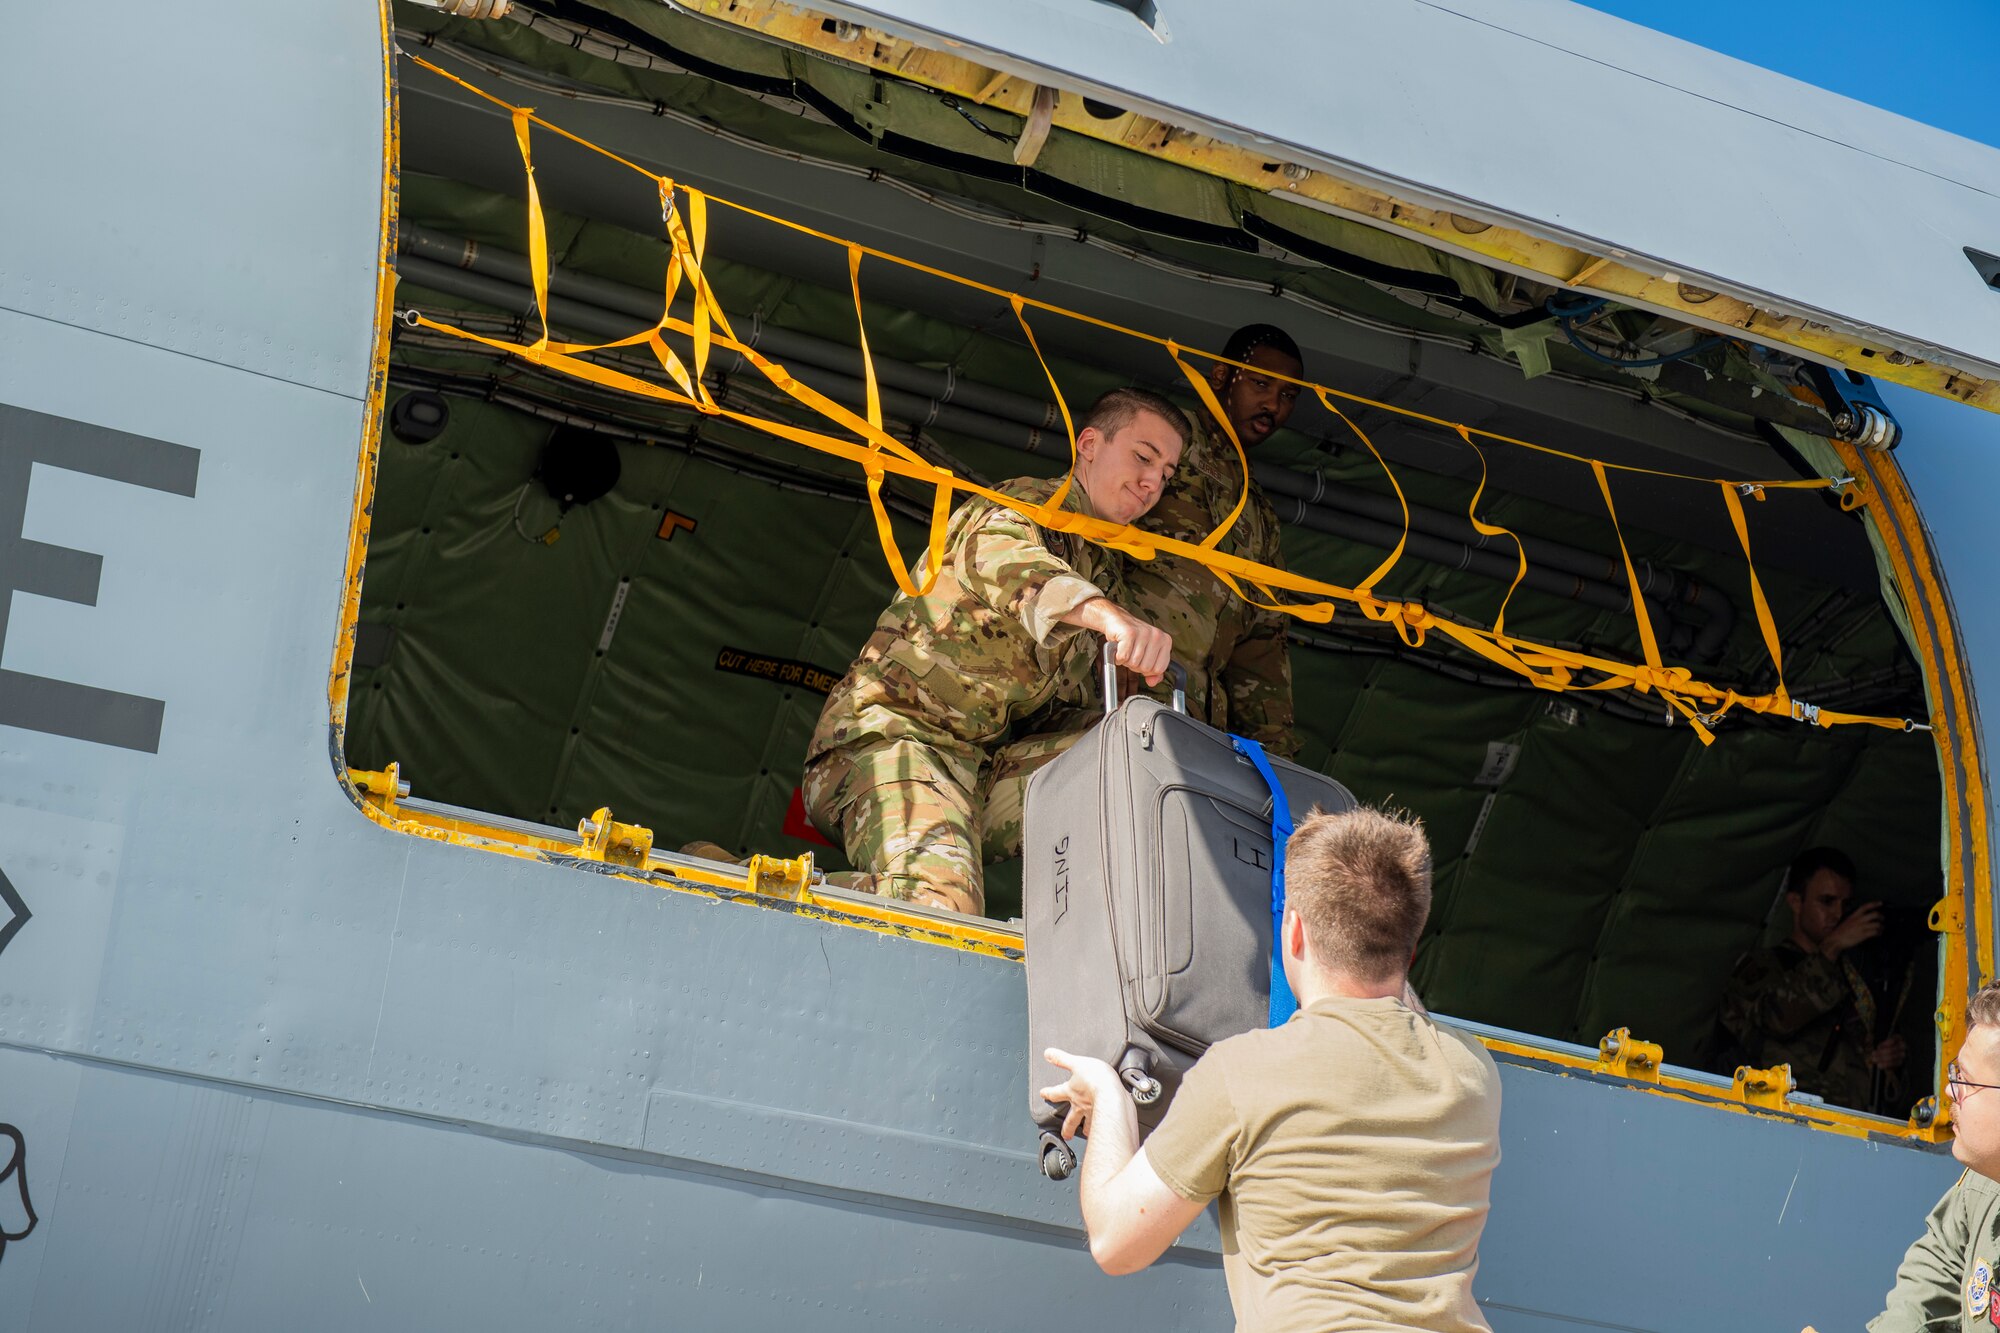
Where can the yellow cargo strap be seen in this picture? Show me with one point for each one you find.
(1731, 497)
(1053, 505)
(1206, 393)
(538, 232)
(1484, 529)
(879, 455)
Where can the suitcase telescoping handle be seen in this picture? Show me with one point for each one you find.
(1110, 678)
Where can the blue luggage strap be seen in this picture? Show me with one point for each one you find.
(1283, 1005)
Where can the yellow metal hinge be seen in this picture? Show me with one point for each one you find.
(381, 790)
(1763, 1087)
(780, 877)
(605, 839)
(1622, 1054)
(1948, 915)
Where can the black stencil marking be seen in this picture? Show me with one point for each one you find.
(15, 1223)
(17, 912)
(62, 707)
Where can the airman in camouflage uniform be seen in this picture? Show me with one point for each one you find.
(900, 766)
(1802, 1002)
(1239, 666)
(1788, 1006)
(1238, 662)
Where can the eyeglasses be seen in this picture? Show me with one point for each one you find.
(1958, 1085)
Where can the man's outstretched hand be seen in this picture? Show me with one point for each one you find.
(1091, 1084)
(1131, 1214)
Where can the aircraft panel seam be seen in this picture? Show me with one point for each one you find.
(1657, 82)
(360, 397)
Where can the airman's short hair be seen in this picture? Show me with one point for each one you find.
(1984, 1010)
(1115, 408)
(1252, 336)
(1813, 860)
(1361, 880)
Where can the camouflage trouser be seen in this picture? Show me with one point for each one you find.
(905, 820)
(1003, 785)
(911, 828)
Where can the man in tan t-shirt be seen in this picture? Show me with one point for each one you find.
(1352, 1148)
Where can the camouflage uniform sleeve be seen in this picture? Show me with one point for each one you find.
(1927, 1294)
(1258, 676)
(1767, 998)
(1258, 680)
(1004, 561)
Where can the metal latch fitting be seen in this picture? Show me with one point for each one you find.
(1625, 1056)
(381, 790)
(605, 839)
(780, 877)
(1947, 918)
(1763, 1087)
(1859, 415)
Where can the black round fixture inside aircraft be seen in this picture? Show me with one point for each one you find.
(577, 466)
(419, 417)
(1102, 110)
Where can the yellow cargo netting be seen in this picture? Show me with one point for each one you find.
(878, 454)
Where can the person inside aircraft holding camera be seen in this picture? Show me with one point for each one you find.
(1805, 1002)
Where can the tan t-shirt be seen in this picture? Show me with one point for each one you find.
(1353, 1149)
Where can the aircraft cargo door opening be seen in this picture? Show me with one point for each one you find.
(608, 592)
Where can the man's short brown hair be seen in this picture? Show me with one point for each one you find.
(1115, 408)
(1984, 1010)
(1362, 882)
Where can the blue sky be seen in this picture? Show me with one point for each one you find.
(1933, 61)
(1930, 60)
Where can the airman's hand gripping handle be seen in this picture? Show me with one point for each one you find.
(1109, 672)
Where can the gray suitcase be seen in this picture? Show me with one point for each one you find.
(1146, 901)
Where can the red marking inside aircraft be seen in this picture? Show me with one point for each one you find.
(796, 824)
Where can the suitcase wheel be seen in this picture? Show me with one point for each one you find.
(1058, 1159)
(1134, 1067)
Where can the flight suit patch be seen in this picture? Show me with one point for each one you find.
(1979, 1290)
